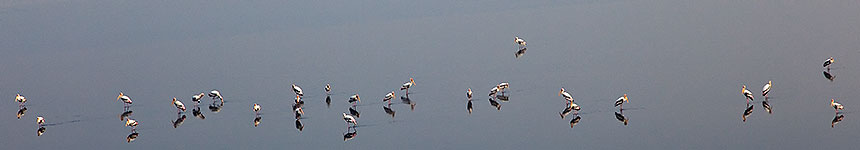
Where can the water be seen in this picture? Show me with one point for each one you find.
(682, 64)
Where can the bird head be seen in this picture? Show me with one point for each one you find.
(625, 98)
(357, 98)
(832, 101)
(743, 88)
(832, 60)
(560, 91)
(120, 95)
(174, 99)
(413, 81)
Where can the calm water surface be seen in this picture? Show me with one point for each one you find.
(682, 64)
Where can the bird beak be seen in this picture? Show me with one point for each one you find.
(413, 81)
(358, 98)
(626, 99)
(117, 97)
(559, 92)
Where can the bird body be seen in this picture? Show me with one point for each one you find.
(20, 99)
(216, 94)
(766, 88)
(494, 91)
(40, 120)
(298, 90)
(469, 93)
(407, 85)
(349, 119)
(196, 98)
(388, 97)
(836, 105)
(131, 123)
(747, 93)
(125, 99)
(563, 93)
(520, 41)
(354, 99)
(327, 88)
(178, 104)
(504, 85)
(256, 107)
(828, 62)
(299, 112)
(621, 101)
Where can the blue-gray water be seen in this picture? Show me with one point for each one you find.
(682, 63)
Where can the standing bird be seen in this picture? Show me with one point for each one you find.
(40, 120)
(520, 42)
(354, 99)
(216, 94)
(747, 93)
(469, 93)
(766, 89)
(298, 90)
(621, 101)
(327, 88)
(196, 98)
(179, 106)
(494, 91)
(20, 99)
(407, 85)
(829, 61)
(349, 119)
(125, 99)
(131, 123)
(502, 86)
(388, 97)
(836, 105)
(566, 95)
(256, 108)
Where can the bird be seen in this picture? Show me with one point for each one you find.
(621, 101)
(349, 119)
(388, 97)
(179, 105)
(354, 99)
(20, 99)
(520, 41)
(131, 123)
(828, 62)
(469, 93)
(298, 90)
(766, 88)
(836, 105)
(299, 112)
(256, 108)
(125, 99)
(216, 94)
(40, 120)
(407, 85)
(747, 93)
(327, 88)
(566, 95)
(494, 91)
(502, 86)
(196, 98)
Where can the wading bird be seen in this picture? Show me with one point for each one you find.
(20, 99)
(766, 89)
(620, 101)
(40, 120)
(388, 97)
(407, 85)
(298, 90)
(747, 93)
(216, 94)
(566, 95)
(327, 88)
(354, 99)
(256, 108)
(125, 99)
(179, 106)
(349, 120)
(520, 42)
(125, 115)
(836, 105)
(131, 123)
(469, 93)
(196, 98)
(828, 62)
(494, 91)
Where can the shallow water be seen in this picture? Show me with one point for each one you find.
(682, 64)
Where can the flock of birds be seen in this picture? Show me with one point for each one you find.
(351, 117)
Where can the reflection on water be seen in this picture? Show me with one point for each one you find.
(469, 106)
(21, 112)
(299, 125)
(620, 117)
(566, 111)
(196, 112)
(408, 101)
(836, 119)
(829, 76)
(766, 104)
(125, 115)
(388, 110)
(131, 137)
(257, 120)
(503, 98)
(328, 101)
(350, 135)
(520, 53)
(496, 104)
(215, 108)
(354, 112)
(747, 112)
(574, 121)
(40, 131)
(178, 121)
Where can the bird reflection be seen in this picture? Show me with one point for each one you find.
(299, 125)
(131, 137)
(40, 131)
(496, 104)
(350, 135)
(836, 119)
(565, 112)
(257, 120)
(328, 101)
(828, 75)
(766, 106)
(408, 101)
(125, 115)
(388, 110)
(574, 121)
(620, 117)
(178, 121)
(21, 112)
(747, 112)
(469, 106)
(215, 107)
(354, 112)
(520, 52)
(503, 98)
(196, 112)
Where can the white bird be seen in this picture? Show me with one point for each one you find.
(40, 120)
(327, 88)
(747, 94)
(125, 99)
(349, 119)
(519, 41)
(494, 91)
(131, 123)
(20, 99)
(354, 99)
(766, 89)
(829, 61)
(256, 108)
(196, 98)
(566, 95)
(388, 97)
(836, 105)
(407, 85)
(502, 86)
(621, 101)
(179, 105)
(298, 90)
(469, 93)
(216, 94)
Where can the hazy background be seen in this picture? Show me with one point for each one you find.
(682, 63)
